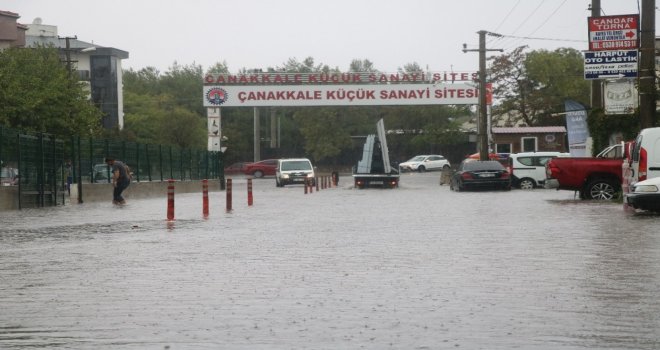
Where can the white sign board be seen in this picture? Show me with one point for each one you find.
(340, 95)
(620, 97)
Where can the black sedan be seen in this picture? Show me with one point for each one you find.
(477, 174)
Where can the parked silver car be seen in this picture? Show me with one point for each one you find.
(424, 163)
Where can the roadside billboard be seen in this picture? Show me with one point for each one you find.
(620, 97)
(618, 32)
(610, 64)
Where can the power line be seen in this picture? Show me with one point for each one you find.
(505, 42)
(548, 39)
(528, 17)
(514, 43)
(547, 19)
(507, 16)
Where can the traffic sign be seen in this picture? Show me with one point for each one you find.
(610, 64)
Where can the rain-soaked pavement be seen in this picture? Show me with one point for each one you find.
(418, 267)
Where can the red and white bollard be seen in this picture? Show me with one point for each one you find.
(205, 198)
(170, 200)
(228, 195)
(249, 190)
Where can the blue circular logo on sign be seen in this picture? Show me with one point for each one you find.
(216, 96)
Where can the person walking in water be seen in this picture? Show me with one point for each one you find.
(121, 178)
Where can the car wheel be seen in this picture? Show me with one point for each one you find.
(277, 183)
(601, 189)
(258, 173)
(421, 169)
(526, 184)
(445, 167)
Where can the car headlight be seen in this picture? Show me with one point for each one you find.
(285, 176)
(646, 189)
(311, 175)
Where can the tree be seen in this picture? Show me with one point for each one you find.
(306, 66)
(533, 85)
(166, 108)
(184, 84)
(39, 94)
(413, 67)
(322, 141)
(183, 128)
(361, 66)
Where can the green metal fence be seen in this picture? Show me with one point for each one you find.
(47, 165)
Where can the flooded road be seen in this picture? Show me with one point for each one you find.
(418, 267)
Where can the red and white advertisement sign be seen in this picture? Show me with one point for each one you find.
(339, 95)
(613, 32)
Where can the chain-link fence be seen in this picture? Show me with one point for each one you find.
(47, 166)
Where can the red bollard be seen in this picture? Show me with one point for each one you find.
(316, 182)
(228, 195)
(249, 189)
(306, 185)
(311, 185)
(205, 198)
(170, 200)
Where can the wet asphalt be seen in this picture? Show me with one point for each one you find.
(417, 267)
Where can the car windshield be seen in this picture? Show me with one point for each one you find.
(482, 165)
(296, 165)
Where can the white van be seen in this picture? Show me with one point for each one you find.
(528, 168)
(644, 159)
(294, 171)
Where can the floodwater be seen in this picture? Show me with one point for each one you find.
(418, 267)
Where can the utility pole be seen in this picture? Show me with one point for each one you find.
(483, 108)
(596, 84)
(257, 135)
(647, 103)
(67, 52)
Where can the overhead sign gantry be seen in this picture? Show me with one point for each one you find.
(274, 89)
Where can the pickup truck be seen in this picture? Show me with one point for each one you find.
(593, 177)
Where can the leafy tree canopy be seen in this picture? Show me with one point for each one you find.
(39, 94)
(533, 85)
(165, 108)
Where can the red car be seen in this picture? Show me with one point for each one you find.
(261, 168)
(236, 168)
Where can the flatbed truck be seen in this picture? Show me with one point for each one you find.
(374, 169)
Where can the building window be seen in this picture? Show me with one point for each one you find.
(503, 148)
(528, 144)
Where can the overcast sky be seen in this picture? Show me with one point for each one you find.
(266, 33)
